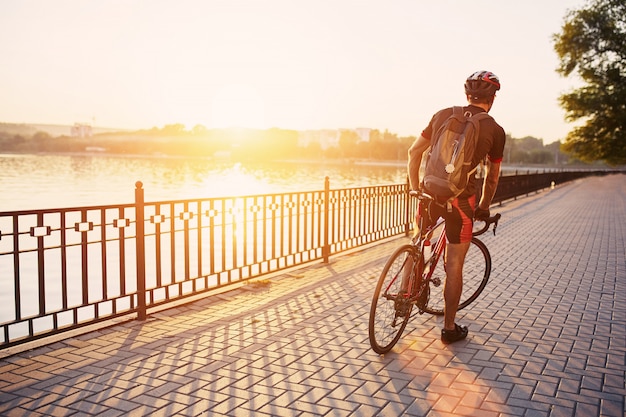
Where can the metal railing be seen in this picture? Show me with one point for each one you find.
(513, 186)
(65, 268)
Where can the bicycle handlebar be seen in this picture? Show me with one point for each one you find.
(488, 222)
(420, 194)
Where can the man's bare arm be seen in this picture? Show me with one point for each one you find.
(490, 185)
(416, 152)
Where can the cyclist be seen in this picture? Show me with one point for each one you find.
(480, 89)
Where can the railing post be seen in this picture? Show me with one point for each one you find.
(407, 210)
(326, 247)
(141, 254)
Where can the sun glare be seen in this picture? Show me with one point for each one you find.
(237, 181)
(237, 105)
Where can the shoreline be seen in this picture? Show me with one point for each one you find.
(306, 161)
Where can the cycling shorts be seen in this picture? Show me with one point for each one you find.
(459, 221)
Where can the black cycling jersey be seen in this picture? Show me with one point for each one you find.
(491, 139)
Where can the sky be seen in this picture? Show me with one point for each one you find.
(290, 64)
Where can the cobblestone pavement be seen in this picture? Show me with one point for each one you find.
(547, 337)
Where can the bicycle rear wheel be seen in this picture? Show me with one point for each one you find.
(390, 310)
(476, 271)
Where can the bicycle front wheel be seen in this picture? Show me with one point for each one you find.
(476, 271)
(391, 309)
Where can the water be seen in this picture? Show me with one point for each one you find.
(59, 181)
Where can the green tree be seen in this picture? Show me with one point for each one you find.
(592, 43)
(313, 150)
(540, 156)
(377, 147)
(177, 129)
(200, 130)
(347, 143)
(558, 156)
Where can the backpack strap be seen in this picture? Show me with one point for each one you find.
(480, 116)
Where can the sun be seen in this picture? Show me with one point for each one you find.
(237, 106)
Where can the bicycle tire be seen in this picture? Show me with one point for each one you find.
(385, 327)
(476, 272)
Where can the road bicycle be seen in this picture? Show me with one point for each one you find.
(413, 275)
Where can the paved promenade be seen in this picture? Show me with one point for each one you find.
(547, 337)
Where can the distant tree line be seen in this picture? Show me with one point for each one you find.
(530, 150)
(251, 144)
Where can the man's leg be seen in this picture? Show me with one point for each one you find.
(455, 257)
(459, 231)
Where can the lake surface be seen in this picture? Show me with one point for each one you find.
(59, 181)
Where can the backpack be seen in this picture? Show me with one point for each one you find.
(449, 162)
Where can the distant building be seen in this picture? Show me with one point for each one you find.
(329, 138)
(80, 130)
(364, 133)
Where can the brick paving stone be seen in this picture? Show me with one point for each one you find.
(547, 336)
(558, 411)
(537, 413)
(446, 403)
(418, 408)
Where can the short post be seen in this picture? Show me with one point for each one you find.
(326, 245)
(141, 253)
